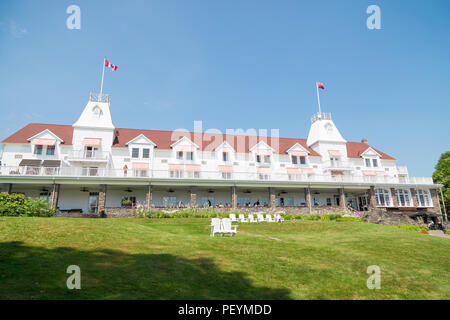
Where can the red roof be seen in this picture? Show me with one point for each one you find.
(62, 131)
(355, 149)
(164, 139)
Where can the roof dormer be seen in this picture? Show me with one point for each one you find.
(184, 144)
(141, 139)
(45, 137)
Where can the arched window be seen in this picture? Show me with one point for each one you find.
(423, 198)
(404, 198)
(384, 198)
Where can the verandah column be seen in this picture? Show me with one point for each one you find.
(54, 196)
(414, 198)
(193, 202)
(148, 197)
(394, 198)
(435, 201)
(372, 198)
(233, 197)
(102, 198)
(6, 188)
(342, 200)
(308, 198)
(272, 200)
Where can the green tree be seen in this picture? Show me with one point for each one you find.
(442, 176)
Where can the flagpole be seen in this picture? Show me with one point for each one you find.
(103, 75)
(318, 98)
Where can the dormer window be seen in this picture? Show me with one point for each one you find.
(258, 158)
(298, 160)
(38, 149)
(50, 150)
(180, 155)
(368, 163)
(375, 163)
(371, 162)
(266, 159)
(135, 153)
(189, 155)
(225, 156)
(145, 153)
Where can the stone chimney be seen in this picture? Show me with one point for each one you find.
(364, 140)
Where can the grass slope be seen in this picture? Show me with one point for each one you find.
(177, 259)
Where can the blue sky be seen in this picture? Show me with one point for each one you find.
(237, 64)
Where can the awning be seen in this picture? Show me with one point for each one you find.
(139, 166)
(381, 173)
(334, 153)
(263, 152)
(51, 163)
(176, 167)
(308, 171)
(44, 142)
(299, 153)
(192, 167)
(226, 168)
(185, 148)
(293, 170)
(369, 173)
(264, 170)
(337, 173)
(30, 163)
(92, 142)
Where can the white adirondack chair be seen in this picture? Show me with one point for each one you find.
(269, 218)
(227, 228)
(216, 226)
(278, 218)
(251, 218)
(241, 218)
(233, 217)
(260, 217)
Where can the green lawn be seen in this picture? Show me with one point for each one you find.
(177, 259)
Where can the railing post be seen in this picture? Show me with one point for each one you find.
(233, 197)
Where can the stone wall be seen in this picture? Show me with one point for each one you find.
(117, 212)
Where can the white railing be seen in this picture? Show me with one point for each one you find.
(99, 97)
(402, 170)
(207, 175)
(321, 116)
(87, 155)
(338, 165)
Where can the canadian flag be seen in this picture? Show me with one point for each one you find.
(110, 65)
(320, 85)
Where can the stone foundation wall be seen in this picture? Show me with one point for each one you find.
(118, 212)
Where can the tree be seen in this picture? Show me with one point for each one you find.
(442, 176)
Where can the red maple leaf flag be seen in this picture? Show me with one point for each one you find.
(320, 85)
(110, 65)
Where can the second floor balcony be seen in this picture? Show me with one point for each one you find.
(87, 155)
(149, 174)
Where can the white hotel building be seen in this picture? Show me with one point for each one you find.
(92, 166)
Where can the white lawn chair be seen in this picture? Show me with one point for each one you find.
(260, 217)
(251, 218)
(227, 228)
(278, 218)
(269, 218)
(216, 226)
(241, 218)
(233, 217)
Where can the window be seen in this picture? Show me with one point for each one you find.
(38, 149)
(294, 159)
(423, 198)
(180, 155)
(189, 155)
(226, 175)
(208, 201)
(243, 201)
(375, 163)
(135, 153)
(266, 159)
(367, 163)
(169, 201)
(403, 198)
(329, 202)
(225, 156)
(263, 176)
(50, 150)
(44, 196)
(176, 174)
(383, 197)
(145, 153)
(302, 160)
(258, 158)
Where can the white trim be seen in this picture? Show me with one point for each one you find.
(43, 132)
(141, 136)
(265, 145)
(299, 146)
(183, 139)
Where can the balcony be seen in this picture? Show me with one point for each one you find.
(338, 165)
(30, 171)
(88, 155)
(403, 170)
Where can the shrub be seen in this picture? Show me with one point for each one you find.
(412, 227)
(288, 217)
(313, 217)
(298, 217)
(19, 205)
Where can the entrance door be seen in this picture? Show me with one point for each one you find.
(363, 201)
(93, 202)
